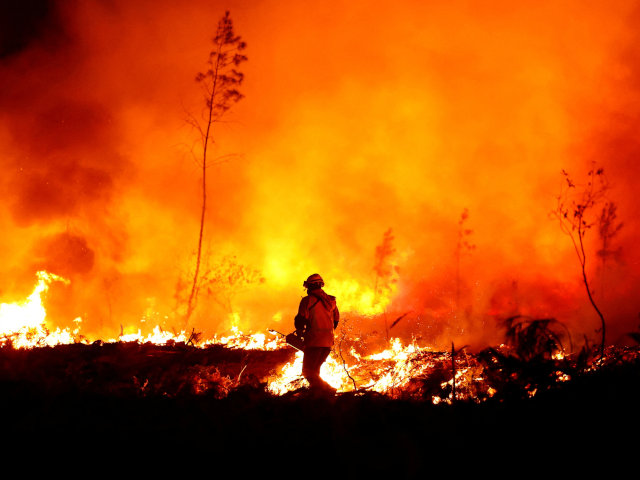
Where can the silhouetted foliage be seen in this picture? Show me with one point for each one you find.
(531, 338)
(224, 279)
(533, 359)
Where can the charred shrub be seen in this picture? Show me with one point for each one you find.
(533, 359)
(532, 339)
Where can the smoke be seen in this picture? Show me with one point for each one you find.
(27, 22)
(358, 117)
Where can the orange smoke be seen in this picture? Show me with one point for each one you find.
(358, 118)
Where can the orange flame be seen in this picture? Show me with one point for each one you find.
(23, 323)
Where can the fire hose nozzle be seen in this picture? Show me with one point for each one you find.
(275, 332)
(292, 339)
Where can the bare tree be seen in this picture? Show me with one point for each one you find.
(572, 211)
(220, 86)
(224, 279)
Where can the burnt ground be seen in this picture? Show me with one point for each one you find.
(81, 403)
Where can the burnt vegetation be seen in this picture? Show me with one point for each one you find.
(191, 400)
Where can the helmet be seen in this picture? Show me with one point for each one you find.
(315, 278)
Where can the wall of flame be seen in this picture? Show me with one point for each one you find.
(358, 118)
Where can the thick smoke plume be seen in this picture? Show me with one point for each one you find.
(358, 118)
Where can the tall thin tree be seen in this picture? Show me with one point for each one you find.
(572, 212)
(220, 84)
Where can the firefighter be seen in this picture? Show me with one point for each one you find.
(316, 320)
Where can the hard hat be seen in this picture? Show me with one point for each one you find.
(315, 278)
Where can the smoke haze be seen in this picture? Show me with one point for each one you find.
(358, 118)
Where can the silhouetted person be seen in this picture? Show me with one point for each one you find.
(317, 318)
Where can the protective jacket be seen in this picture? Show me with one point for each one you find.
(318, 316)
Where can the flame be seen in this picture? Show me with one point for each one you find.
(256, 341)
(158, 337)
(385, 372)
(291, 377)
(238, 339)
(23, 323)
(356, 298)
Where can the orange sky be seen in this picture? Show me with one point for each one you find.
(358, 118)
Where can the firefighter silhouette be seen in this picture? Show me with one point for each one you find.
(317, 318)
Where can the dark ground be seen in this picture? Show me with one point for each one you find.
(68, 403)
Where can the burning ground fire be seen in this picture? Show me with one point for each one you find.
(24, 325)
(400, 371)
(389, 372)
